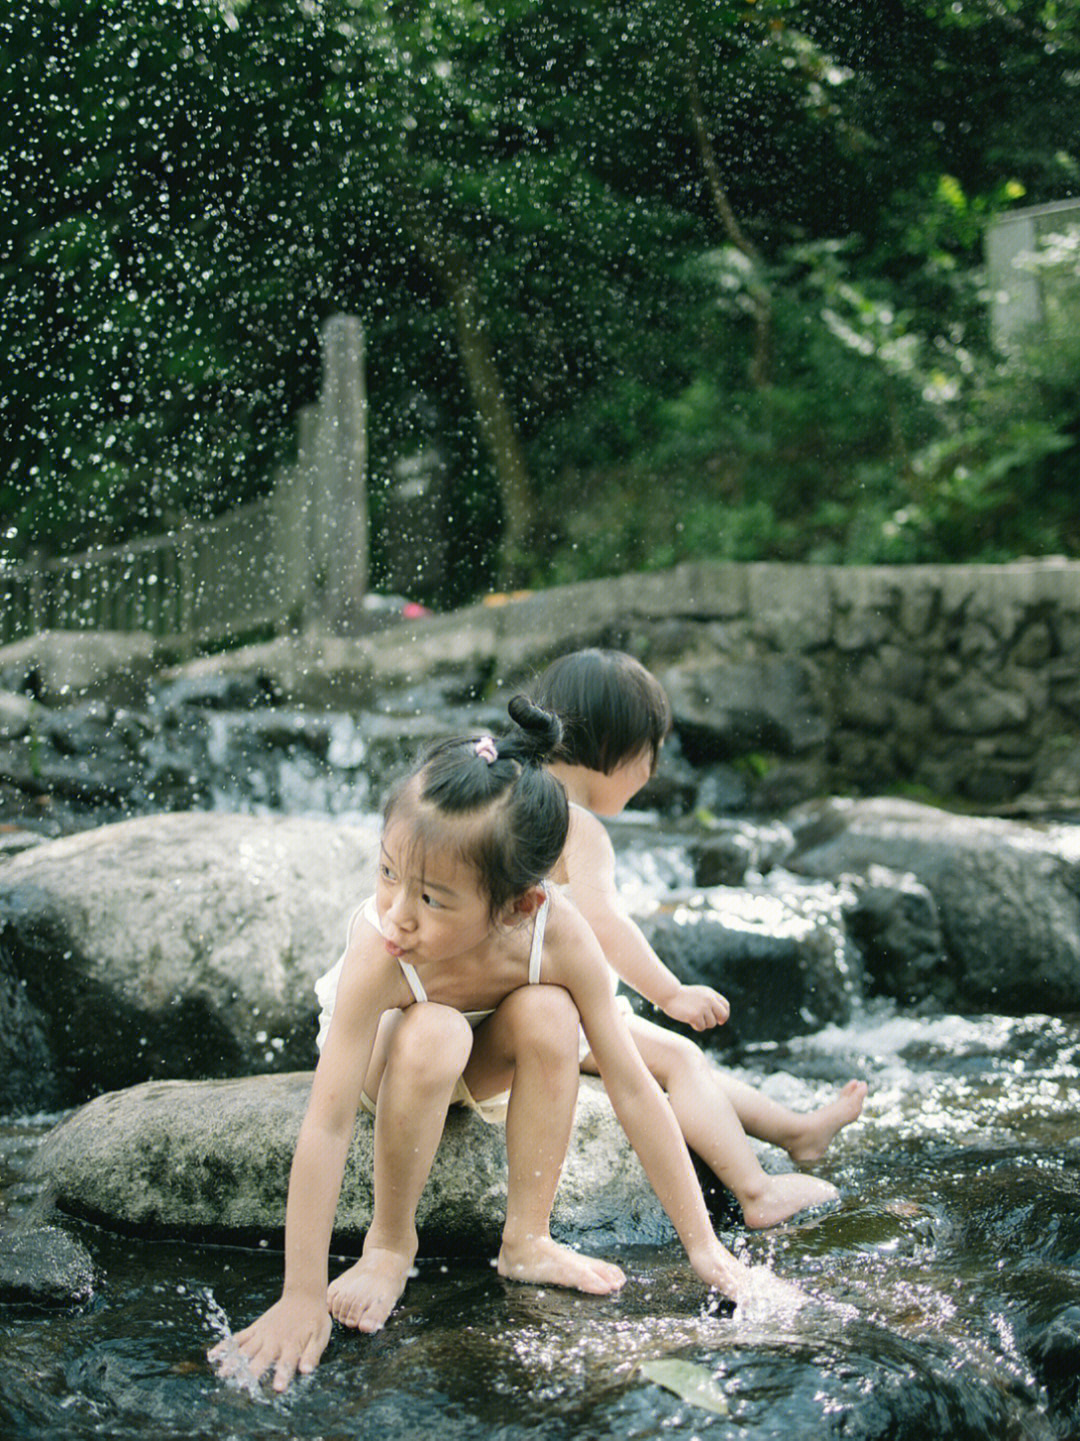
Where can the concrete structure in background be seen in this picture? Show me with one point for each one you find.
(1022, 299)
(295, 560)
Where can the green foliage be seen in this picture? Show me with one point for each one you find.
(694, 363)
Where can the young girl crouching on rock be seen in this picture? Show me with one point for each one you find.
(464, 976)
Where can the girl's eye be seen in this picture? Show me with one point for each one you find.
(431, 901)
(385, 871)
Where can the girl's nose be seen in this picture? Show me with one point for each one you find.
(401, 912)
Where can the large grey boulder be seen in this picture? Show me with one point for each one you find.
(211, 1159)
(895, 923)
(780, 956)
(174, 945)
(1007, 895)
(61, 666)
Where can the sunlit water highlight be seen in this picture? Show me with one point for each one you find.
(958, 1232)
(944, 1288)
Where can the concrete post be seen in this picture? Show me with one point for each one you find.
(1023, 301)
(338, 514)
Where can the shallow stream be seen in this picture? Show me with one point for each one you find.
(946, 1283)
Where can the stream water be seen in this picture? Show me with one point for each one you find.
(946, 1283)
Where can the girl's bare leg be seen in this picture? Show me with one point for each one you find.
(715, 1120)
(426, 1054)
(804, 1135)
(532, 1042)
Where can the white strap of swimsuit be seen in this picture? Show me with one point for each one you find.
(408, 971)
(415, 984)
(361, 910)
(536, 955)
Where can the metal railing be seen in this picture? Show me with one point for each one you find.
(297, 556)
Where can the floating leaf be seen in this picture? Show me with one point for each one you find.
(689, 1381)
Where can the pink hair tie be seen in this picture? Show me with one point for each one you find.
(485, 749)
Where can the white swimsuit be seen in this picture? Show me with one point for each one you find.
(491, 1109)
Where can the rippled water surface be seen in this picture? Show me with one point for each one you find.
(946, 1287)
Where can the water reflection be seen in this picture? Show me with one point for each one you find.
(951, 1258)
(946, 1282)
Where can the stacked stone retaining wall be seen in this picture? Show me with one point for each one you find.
(956, 683)
(961, 681)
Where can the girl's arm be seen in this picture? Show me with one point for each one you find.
(293, 1333)
(573, 959)
(590, 868)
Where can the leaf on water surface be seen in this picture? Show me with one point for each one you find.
(689, 1381)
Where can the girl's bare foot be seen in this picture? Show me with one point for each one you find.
(365, 1294)
(784, 1196)
(540, 1261)
(819, 1127)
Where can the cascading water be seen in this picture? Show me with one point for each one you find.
(946, 1284)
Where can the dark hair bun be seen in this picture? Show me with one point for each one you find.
(542, 729)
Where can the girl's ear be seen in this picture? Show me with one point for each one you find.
(524, 906)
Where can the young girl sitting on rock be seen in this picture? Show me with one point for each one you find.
(462, 976)
(615, 716)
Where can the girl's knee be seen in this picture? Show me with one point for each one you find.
(676, 1059)
(543, 1018)
(432, 1041)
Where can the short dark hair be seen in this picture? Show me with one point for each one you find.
(610, 706)
(506, 817)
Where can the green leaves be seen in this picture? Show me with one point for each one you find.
(689, 1381)
(188, 187)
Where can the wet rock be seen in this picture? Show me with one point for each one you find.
(1053, 1348)
(178, 945)
(729, 708)
(329, 672)
(218, 688)
(87, 756)
(43, 1266)
(722, 860)
(18, 714)
(1007, 894)
(59, 667)
(722, 790)
(13, 839)
(895, 923)
(787, 970)
(212, 1158)
(27, 1078)
(727, 852)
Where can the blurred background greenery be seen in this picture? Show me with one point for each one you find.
(654, 280)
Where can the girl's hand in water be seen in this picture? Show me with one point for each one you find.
(698, 1006)
(754, 1289)
(765, 1296)
(290, 1337)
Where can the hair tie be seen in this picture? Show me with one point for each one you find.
(486, 750)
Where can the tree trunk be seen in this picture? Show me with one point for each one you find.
(458, 283)
(761, 361)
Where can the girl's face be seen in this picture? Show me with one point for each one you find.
(430, 904)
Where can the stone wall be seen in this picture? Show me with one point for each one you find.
(963, 681)
(959, 681)
(956, 683)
